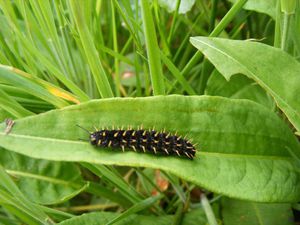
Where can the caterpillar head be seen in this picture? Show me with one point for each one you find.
(98, 138)
(93, 139)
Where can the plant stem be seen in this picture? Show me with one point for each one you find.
(208, 210)
(285, 30)
(115, 44)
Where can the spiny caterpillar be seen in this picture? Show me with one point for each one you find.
(141, 140)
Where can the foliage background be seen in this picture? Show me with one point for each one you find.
(57, 56)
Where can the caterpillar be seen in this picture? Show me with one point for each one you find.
(140, 140)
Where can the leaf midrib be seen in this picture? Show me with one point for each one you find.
(202, 131)
(218, 154)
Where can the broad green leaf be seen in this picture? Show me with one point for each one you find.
(274, 70)
(267, 7)
(244, 147)
(239, 87)
(42, 181)
(195, 217)
(236, 212)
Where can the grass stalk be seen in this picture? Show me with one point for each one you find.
(90, 51)
(154, 62)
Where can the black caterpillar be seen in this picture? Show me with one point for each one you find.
(141, 140)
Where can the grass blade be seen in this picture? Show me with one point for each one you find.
(90, 51)
(136, 208)
(153, 50)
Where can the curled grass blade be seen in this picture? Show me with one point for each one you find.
(274, 70)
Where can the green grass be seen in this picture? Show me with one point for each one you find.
(150, 63)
